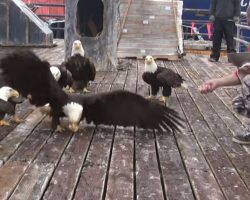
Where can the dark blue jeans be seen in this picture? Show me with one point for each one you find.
(220, 28)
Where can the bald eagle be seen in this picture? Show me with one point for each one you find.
(64, 79)
(81, 68)
(62, 76)
(159, 77)
(13, 99)
(31, 76)
(6, 106)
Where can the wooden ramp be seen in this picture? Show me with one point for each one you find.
(152, 27)
(115, 163)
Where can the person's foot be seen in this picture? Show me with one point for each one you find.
(242, 139)
(213, 59)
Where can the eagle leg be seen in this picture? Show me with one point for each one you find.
(85, 90)
(45, 109)
(4, 123)
(71, 90)
(17, 120)
(59, 129)
(151, 97)
(73, 127)
(162, 99)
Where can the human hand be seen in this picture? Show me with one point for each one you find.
(236, 19)
(208, 86)
(211, 18)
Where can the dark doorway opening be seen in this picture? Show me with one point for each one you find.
(90, 17)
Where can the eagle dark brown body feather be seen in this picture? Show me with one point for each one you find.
(82, 70)
(6, 107)
(66, 78)
(162, 77)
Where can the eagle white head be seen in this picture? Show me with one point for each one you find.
(7, 92)
(77, 48)
(150, 65)
(55, 72)
(74, 113)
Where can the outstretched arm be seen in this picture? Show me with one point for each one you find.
(212, 84)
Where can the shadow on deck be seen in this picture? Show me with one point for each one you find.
(202, 162)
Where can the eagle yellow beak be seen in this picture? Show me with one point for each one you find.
(74, 126)
(148, 60)
(14, 93)
(77, 46)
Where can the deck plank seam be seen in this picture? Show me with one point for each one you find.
(82, 164)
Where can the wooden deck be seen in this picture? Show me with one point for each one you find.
(201, 163)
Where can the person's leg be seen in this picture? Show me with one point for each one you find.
(229, 30)
(217, 39)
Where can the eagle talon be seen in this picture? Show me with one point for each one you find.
(85, 90)
(17, 119)
(71, 90)
(66, 89)
(162, 99)
(46, 109)
(73, 127)
(151, 97)
(4, 123)
(59, 129)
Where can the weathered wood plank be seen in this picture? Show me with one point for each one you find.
(142, 44)
(65, 177)
(204, 184)
(14, 139)
(143, 28)
(37, 176)
(141, 66)
(94, 172)
(120, 182)
(175, 178)
(24, 156)
(119, 81)
(29, 149)
(109, 78)
(9, 177)
(148, 182)
(131, 80)
(22, 111)
(140, 53)
(91, 184)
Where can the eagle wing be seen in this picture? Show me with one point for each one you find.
(6, 107)
(66, 76)
(25, 72)
(124, 108)
(169, 77)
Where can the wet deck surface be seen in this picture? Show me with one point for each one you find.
(202, 162)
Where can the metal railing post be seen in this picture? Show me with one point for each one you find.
(237, 36)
